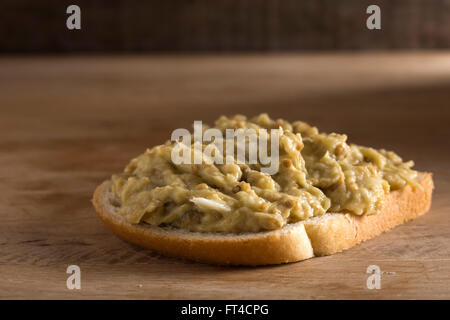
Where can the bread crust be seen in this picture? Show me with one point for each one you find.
(324, 235)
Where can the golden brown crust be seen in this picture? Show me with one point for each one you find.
(344, 231)
(324, 235)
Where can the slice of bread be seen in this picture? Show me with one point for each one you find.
(319, 236)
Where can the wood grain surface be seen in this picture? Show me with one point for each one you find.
(68, 123)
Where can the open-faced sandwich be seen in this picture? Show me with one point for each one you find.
(321, 196)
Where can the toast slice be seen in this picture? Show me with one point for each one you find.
(319, 236)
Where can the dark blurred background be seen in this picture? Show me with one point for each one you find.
(28, 26)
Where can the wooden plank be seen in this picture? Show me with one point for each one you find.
(66, 124)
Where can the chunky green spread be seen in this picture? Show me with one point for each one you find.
(317, 173)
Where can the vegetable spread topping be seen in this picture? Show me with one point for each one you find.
(317, 173)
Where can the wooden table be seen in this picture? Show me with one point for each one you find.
(68, 123)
